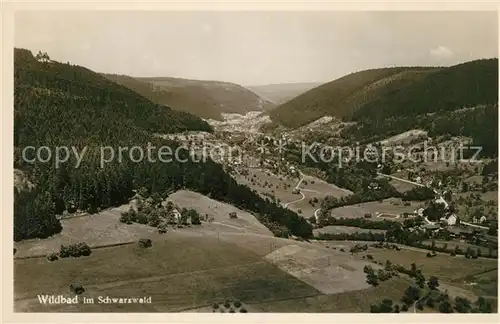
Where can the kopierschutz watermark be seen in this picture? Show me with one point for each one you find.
(421, 153)
(222, 153)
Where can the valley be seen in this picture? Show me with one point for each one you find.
(261, 212)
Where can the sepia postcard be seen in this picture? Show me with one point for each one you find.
(213, 160)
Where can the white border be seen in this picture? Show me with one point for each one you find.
(8, 10)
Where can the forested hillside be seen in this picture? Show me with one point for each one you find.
(457, 100)
(343, 96)
(464, 85)
(63, 105)
(460, 100)
(206, 99)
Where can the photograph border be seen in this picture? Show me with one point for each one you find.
(8, 12)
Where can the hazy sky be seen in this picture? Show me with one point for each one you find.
(253, 48)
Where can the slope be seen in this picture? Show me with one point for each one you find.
(206, 99)
(463, 85)
(459, 101)
(341, 97)
(71, 89)
(60, 105)
(282, 92)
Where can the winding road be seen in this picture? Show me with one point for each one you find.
(297, 186)
(441, 198)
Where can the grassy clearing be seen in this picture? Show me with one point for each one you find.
(104, 228)
(178, 274)
(484, 284)
(445, 267)
(125, 263)
(454, 273)
(348, 302)
(257, 282)
(401, 186)
(323, 188)
(99, 229)
(389, 206)
(219, 211)
(461, 245)
(329, 271)
(278, 186)
(490, 195)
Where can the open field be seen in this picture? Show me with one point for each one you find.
(445, 267)
(456, 282)
(461, 245)
(313, 187)
(104, 228)
(485, 284)
(278, 186)
(490, 195)
(99, 229)
(219, 211)
(188, 269)
(281, 187)
(328, 271)
(316, 185)
(344, 229)
(178, 274)
(357, 301)
(401, 186)
(485, 196)
(388, 206)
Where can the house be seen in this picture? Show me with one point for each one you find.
(452, 220)
(176, 214)
(482, 219)
(420, 211)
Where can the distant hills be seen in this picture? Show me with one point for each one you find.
(206, 99)
(341, 97)
(389, 92)
(460, 86)
(57, 104)
(79, 101)
(281, 93)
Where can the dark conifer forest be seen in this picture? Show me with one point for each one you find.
(58, 104)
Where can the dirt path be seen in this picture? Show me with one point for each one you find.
(317, 215)
(295, 201)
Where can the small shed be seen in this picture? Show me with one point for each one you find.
(145, 242)
(76, 288)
